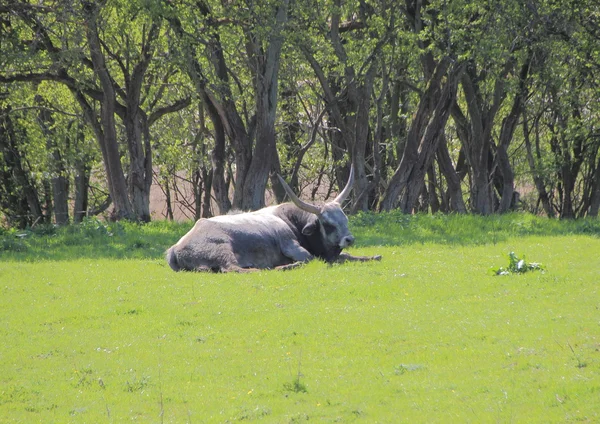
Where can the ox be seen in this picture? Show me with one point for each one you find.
(276, 237)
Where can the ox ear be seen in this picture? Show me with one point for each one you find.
(311, 227)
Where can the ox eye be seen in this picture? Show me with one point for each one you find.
(329, 228)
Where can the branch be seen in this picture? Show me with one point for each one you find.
(335, 34)
(174, 107)
(41, 108)
(21, 7)
(351, 26)
(63, 78)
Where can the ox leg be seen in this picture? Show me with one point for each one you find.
(295, 252)
(347, 257)
(235, 268)
(204, 268)
(289, 266)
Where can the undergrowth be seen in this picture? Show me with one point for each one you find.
(94, 238)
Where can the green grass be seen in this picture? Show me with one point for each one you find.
(97, 328)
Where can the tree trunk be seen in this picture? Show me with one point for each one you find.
(207, 177)
(60, 192)
(506, 135)
(217, 156)
(538, 177)
(139, 190)
(82, 183)
(422, 140)
(255, 183)
(20, 200)
(137, 130)
(265, 67)
(478, 149)
(434, 201)
(476, 133)
(108, 140)
(456, 202)
(595, 196)
(569, 152)
(430, 141)
(222, 112)
(57, 167)
(362, 187)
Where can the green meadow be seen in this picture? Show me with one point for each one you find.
(96, 328)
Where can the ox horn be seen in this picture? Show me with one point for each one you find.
(346, 191)
(301, 204)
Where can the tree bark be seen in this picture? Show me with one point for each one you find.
(507, 131)
(58, 168)
(20, 200)
(82, 183)
(138, 131)
(109, 144)
(430, 141)
(456, 202)
(422, 139)
(534, 161)
(264, 65)
(476, 134)
(595, 196)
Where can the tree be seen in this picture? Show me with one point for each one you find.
(19, 198)
(355, 37)
(440, 106)
(562, 115)
(252, 137)
(120, 61)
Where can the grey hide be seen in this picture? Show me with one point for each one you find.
(275, 237)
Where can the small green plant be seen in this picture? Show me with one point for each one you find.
(517, 265)
(296, 386)
(137, 384)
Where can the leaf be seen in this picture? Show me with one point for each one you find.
(517, 266)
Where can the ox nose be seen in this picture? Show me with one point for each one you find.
(348, 241)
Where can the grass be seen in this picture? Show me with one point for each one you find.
(97, 328)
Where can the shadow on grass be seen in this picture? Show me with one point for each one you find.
(394, 228)
(123, 240)
(91, 239)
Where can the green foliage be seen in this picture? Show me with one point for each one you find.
(495, 38)
(296, 386)
(517, 266)
(396, 228)
(94, 238)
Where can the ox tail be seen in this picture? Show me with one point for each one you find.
(171, 257)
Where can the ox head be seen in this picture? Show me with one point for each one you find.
(329, 220)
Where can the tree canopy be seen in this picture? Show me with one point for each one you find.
(440, 106)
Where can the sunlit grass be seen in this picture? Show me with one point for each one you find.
(425, 335)
(95, 239)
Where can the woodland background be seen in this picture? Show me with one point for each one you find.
(466, 106)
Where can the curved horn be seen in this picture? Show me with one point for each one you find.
(301, 204)
(346, 191)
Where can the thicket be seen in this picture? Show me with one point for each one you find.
(95, 238)
(441, 106)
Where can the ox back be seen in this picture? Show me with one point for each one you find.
(268, 238)
(279, 236)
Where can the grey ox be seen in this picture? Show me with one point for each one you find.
(276, 237)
